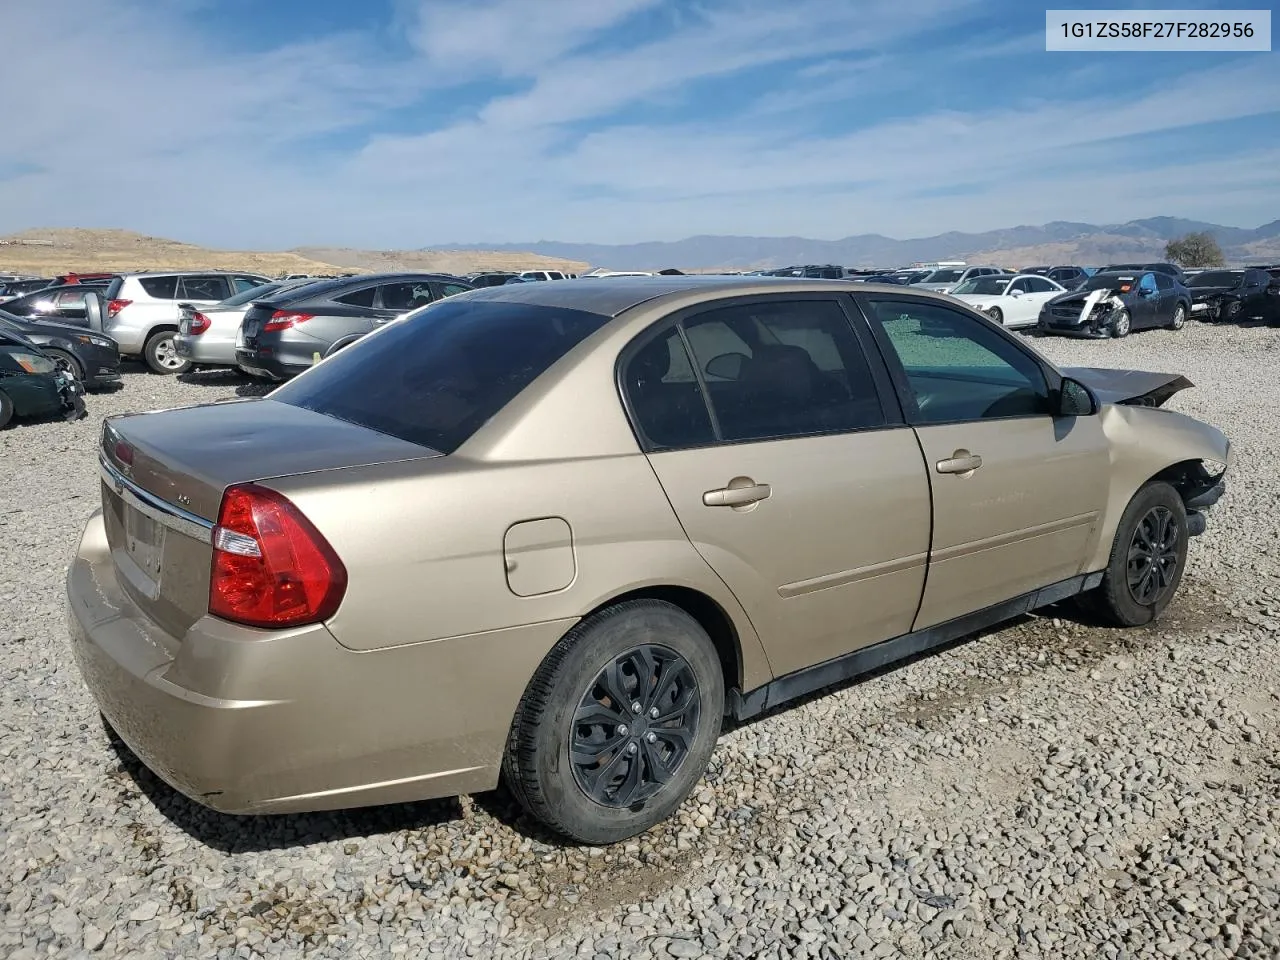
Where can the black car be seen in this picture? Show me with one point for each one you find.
(1231, 295)
(1070, 277)
(31, 385)
(495, 279)
(1171, 269)
(90, 357)
(1111, 304)
(20, 288)
(78, 304)
(286, 333)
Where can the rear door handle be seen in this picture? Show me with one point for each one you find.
(962, 461)
(737, 496)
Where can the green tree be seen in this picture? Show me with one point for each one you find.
(1195, 250)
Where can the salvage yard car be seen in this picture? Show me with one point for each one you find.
(90, 358)
(552, 533)
(1232, 295)
(31, 385)
(207, 336)
(1113, 304)
(1010, 301)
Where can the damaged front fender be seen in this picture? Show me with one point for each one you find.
(1139, 388)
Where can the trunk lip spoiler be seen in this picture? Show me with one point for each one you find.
(154, 508)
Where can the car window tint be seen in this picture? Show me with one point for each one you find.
(437, 376)
(1164, 281)
(202, 288)
(406, 296)
(450, 289)
(1022, 285)
(957, 367)
(245, 284)
(1040, 285)
(782, 369)
(358, 298)
(162, 288)
(666, 402)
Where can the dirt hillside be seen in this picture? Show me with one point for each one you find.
(85, 250)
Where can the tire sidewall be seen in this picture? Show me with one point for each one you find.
(6, 409)
(1126, 609)
(1116, 330)
(596, 646)
(1179, 318)
(996, 315)
(76, 370)
(149, 354)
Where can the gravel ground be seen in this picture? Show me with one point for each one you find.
(1046, 790)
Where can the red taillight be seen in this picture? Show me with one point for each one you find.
(115, 306)
(271, 567)
(284, 319)
(199, 324)
(124, 453)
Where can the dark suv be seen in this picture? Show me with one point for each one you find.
(285, 334)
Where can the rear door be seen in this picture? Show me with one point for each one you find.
(400, 298)
(1016, 492)
(801, 489)
(209, 289)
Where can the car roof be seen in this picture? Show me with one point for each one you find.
(611, 296)
(183, 273)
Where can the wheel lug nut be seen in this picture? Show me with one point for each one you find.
(632, 748)
(653, 714)
(623, 730)
(635, 707)
(652, 738)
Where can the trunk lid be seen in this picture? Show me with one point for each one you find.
(164, 473)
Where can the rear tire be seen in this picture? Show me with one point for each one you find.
(617, 724)
(161, 354)
(1179, 318)
(1147, 559)
(6, 409)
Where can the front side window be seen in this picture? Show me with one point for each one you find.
(957, 368)
(1021, 285)
(406, 296)
(452, 289)
(778, 369)
(1040, 285)
(1148, 283)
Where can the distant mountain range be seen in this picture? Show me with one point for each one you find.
(1057, 242)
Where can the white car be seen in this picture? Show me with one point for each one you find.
(946, 279)
(1009, 301)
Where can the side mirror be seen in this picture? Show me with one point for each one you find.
(1015, 293)
(727, 366)
(1075, 399)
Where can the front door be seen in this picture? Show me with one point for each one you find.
(796, 487)
(1016, 491)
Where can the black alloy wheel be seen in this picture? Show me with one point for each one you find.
(1153, 556)
(634, 726)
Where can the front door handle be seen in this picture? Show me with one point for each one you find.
(962, 461)
(735, 496)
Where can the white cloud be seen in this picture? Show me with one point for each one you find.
(196, 138)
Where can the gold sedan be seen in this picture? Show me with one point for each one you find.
(553, 533)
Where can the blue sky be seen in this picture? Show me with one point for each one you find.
(408, 123)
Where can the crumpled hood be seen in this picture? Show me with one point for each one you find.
(1140, 388)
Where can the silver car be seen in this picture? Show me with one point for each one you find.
(946, 279)
(207, 336)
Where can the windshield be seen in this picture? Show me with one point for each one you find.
(943, 276)
(435, 377)
(987, 286)
(1108, 281)
(1217, 278)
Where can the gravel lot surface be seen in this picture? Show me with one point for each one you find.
(1046, 790)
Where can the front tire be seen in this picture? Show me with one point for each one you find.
(161, 354)
(65, 361)
(1121, 325)
(1147, 559)
(618, 723)
(6, 409)
(1179, 318)
(997, 315)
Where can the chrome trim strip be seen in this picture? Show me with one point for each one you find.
(149, 505)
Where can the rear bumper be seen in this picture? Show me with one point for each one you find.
(215, 351)
(249, 721)
(101, 367)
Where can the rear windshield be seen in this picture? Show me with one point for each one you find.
(435, 377)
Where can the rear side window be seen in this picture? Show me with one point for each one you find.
(358, 298)
(666, 402)
(202, 288)
(437, 376)
(162, 288)
(244, 284)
